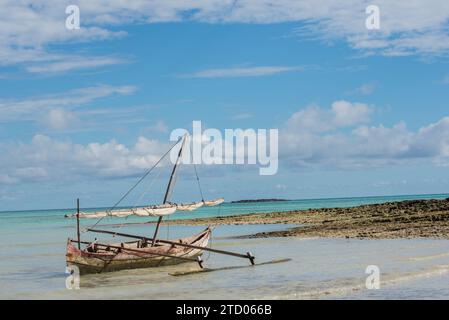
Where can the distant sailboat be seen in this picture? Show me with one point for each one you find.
(144, 252)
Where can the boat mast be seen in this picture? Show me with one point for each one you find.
(78, 222)
(168, 192)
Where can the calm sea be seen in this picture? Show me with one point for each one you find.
(32, 255)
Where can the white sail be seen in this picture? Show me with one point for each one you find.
(214, 202)
(94, 215)
(189, 206)
(120, 213)
(155, 211)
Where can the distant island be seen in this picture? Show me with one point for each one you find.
(258, 200)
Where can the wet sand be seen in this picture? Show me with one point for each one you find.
(406, 219)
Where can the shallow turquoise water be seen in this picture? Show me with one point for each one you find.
(32, 255)
(320, 269)
(33, 219)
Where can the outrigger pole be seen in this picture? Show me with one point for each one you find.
(169, 188)
(248, 255)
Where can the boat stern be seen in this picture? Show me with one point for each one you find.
(71, 252)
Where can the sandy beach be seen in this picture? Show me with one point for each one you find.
(405, 219)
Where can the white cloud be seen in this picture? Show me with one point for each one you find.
(310, 141)
(433, 139)
(364, 89)
(348, 114)
(406, 28)
(242, 72)
(59, 119)
(341, 114)
(34, 108)
(28, 29)
(45, 158)
(73, 63)
(314, 136)
(412, 27)
(159, 127)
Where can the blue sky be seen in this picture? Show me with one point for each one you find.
(84, 112)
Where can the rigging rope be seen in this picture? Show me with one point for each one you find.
(138, 201)
(147, 189)
(136, 184)
(196, 172)
(198, 180)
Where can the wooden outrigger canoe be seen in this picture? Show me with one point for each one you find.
(98, 258)
(143, 252)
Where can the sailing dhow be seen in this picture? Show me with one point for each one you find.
(143, 252)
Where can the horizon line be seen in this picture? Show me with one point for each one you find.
(228, 202)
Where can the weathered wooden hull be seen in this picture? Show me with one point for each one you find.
(146, 257)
